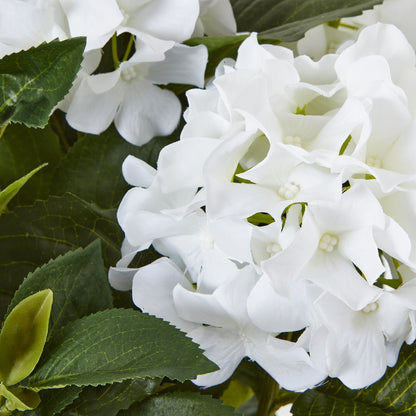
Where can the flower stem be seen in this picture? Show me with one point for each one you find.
(114, 51)
(3, 129)
(268, 395)
(128, 48)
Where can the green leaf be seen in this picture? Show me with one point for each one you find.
(394, 394)
(110, 399)
(6, 195)
(180, 404)
(31, 236)
(237, 393)
(22, 150)
(23, 337)
(288, 20)
(53, 401)
(115, 345)
(92, 168)
(19, 399)
(78, 281)
(34, 81)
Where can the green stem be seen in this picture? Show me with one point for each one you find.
(3, 129)
(348, 26)
(267, 398)
(114, 51)
(128, 49)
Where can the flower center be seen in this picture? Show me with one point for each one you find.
(128, 74)
(273, 248)
(328, 242)
(375, 162)
(293, 140)
(289, 190)
(371, 307)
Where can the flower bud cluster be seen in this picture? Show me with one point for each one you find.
(285, 214)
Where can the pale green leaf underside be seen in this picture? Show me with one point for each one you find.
(115, 345)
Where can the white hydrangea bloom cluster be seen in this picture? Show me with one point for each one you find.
(128, 95)
(285, 214)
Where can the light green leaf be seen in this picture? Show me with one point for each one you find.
(7, 194)
(22, 150)
(92, 168)
(115, 345)
(32, 82)
(19, 399)
(288, 20)
(31, 236)
(23, 337)
(110, 399)
(180, 404)
(394, 394)
(237, 393)
(79, 283)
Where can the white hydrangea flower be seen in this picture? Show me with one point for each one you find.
(130, 97)
(276, 218)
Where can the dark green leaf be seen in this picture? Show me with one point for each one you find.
(180, 404)
(31, 236)
(92, 168)
(115, 345)
(34, 81)
(110, 399)
(78, 281)
(23, 337)
(22, 150)
(394, 394)
(53, 401)
(288, 20)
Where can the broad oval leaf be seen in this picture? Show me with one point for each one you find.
(394, 394)
(32, 82)
(31, 236)
(115, 345)
(52, 402)
(110, 399)
(23, 337)
(288, 20)
(180, 404)
(79, 283)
